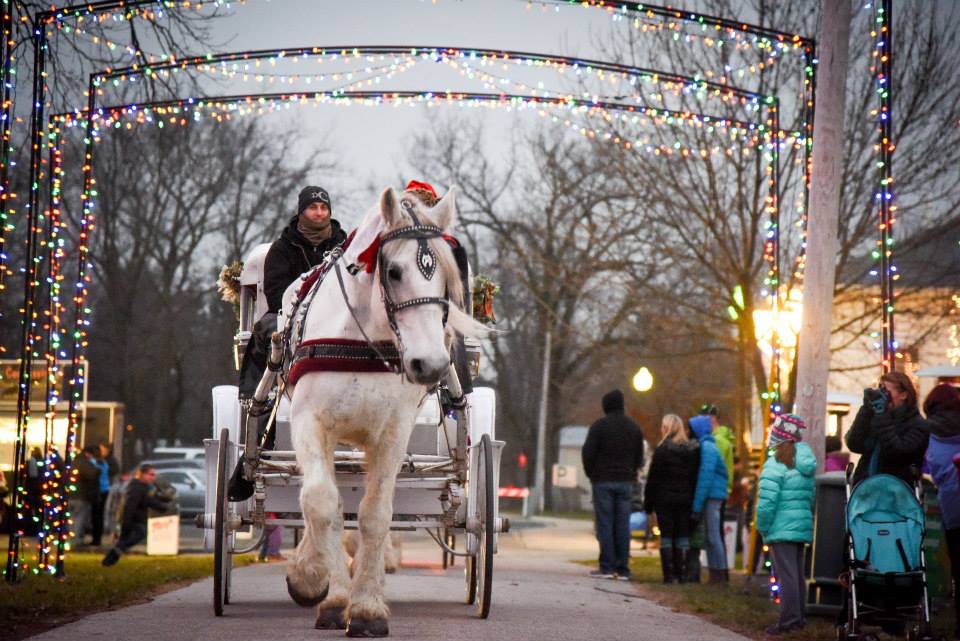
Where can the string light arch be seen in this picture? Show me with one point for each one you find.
(55, 512)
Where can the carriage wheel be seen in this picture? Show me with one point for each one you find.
(470, 572)
(221, 553)
(484, 512)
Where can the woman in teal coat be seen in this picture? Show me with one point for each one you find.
(785, 515)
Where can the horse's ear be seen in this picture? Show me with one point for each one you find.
(389, 207)
(444, 213)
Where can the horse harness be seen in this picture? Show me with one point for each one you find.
(348, 355)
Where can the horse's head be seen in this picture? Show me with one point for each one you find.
(420, 280)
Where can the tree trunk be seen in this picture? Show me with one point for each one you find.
(814, 349)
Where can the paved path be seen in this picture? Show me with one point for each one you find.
(537, 594)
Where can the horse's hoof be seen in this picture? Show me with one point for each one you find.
(368, 628)
(303, 600)
(390, 570)
(331, 619)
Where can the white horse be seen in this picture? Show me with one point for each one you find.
(402, 299)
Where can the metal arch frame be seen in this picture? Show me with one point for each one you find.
(36, 120)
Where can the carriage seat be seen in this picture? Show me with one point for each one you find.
(253, 304)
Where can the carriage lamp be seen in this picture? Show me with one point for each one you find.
(473, 357)
(643, 380)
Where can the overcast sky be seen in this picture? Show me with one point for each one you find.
(370, 141)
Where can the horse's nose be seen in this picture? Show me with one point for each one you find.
(424, 371)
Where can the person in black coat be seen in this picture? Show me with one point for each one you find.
(139, 497)
(612, 454)
(308, 236)
(888, 431)
(86, 495)
(671, 482)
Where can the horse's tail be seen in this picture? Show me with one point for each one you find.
(464, 323)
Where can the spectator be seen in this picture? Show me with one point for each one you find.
(612, 455)
(709, 497)
(723, 435)
(889, 431)
(942, 408)
(34, 486)
(785, 515)
(85, 494)
(669, 493)
(272, 540)
(836, 459)
(140, 497)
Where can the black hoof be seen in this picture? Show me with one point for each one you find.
(368, 628)
(303, 600)
(331, 619)
(390, 570)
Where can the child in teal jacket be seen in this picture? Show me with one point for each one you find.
(785, 515)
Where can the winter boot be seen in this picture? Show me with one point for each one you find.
(716, 576)
(693, 565)
(667, 565)
(680, 560)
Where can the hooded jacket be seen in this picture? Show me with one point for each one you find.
(785, 499)
(899, 436)
(613, 451)
(724, 438)
(712, 473)
(944, 445)
(673, 476)
(291, 255)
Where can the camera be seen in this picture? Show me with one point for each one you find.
(871, 394)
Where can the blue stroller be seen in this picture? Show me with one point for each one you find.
(885, 583)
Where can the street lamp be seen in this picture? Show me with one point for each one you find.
(643, 380)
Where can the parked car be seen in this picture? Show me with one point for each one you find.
(169, 463)
(190, 487)
(177, 453)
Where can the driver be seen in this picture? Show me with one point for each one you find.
(303, 243)
(310, 234)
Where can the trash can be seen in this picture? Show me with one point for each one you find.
(826, 560)
(934, 547)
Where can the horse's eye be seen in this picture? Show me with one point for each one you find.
(395, 273)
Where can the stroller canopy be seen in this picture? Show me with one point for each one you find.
(886, 523)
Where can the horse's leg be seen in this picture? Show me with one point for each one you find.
(332, 613)
(309, 577)
(368, 610)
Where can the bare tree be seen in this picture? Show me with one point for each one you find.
(174, 205)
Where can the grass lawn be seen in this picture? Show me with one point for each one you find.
(743, 607)
(41, 602)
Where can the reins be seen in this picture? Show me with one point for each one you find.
(426, 262)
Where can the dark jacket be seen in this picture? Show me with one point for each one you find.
(613, 450)
(900, 436)
(672, 477)
(138, 499)
(291, 255)
(88, 479)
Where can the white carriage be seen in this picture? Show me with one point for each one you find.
(447, 484)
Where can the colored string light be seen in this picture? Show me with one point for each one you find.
(882, 67)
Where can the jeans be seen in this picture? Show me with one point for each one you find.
(716, 550)
(611, 507)
(788, 568)
(80, 511)
(131, 535)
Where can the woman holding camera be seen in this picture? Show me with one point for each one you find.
(888, 431)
